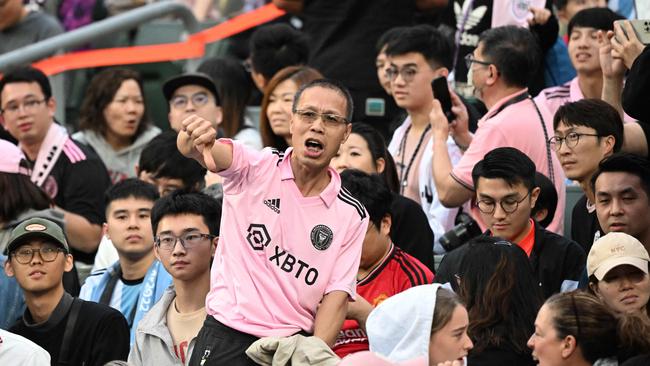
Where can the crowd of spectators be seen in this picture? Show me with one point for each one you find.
(361, 215)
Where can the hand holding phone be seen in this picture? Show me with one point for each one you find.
(441, 92)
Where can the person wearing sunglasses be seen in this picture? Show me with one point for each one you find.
(72, 331)
(134, 282)
(506, 193)
(186, 227)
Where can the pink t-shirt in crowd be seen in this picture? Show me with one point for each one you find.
(279, 252)
(517, 125)
(556, 96)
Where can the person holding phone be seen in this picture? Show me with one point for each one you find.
(417, 56)
(500, 69)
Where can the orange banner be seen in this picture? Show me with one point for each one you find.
(193, 47)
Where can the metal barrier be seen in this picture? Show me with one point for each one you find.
(78, 37)
(125, 21)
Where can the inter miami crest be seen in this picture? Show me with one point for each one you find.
(321, 237)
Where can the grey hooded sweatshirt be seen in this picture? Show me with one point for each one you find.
(120, 164)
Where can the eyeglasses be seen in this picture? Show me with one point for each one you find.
(28, 105)
(329, 119)
(167, 242)
(48, 254)
(407, 73)
(571, 139)
(198, 100)
(469, 59)
(508, 205)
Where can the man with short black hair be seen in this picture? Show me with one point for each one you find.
(73, 331)
(274, 47)
(291, 235)
(505, 196)
(417, 56)
(586, 131)
(137, 280)
(500, 68)
(622, 192)
(187, 232)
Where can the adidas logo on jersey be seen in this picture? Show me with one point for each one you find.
(273, 204)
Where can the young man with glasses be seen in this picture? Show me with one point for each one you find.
(586, 131)
(500, 70)
(72, 331)
(192, 94)
(418, 55)
(291, 236)
(505, 196)
(187, 233)
(137, 280)
(69, 172)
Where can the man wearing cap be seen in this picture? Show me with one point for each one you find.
(71, 330)
(618, 273)
(192, 94)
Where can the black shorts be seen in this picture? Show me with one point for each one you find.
(217, 344)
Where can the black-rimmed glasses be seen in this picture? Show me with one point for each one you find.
(48, 254)
(571, 140)
(469, 60)
(508, 205)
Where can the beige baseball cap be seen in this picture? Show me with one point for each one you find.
(615, 249)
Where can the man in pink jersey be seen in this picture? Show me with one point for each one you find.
(291, 235)
(501, 68)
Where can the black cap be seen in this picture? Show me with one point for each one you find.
(193, 78)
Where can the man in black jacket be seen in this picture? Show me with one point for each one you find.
(505, 195)
(72, 331)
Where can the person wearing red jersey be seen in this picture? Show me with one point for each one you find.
(384, 270)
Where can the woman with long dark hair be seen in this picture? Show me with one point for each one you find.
(502, 297)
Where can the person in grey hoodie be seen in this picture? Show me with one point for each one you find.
(186, 226)
(113, 121)
(425, 324)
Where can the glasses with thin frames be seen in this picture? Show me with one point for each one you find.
(469, 60)
(198, 100)
(28, 105)
(571, 140)
(167, 242)
(508, 206)
(329, 119)
(48, 254)
(407, 73)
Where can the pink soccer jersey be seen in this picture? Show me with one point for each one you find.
(279, 253)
